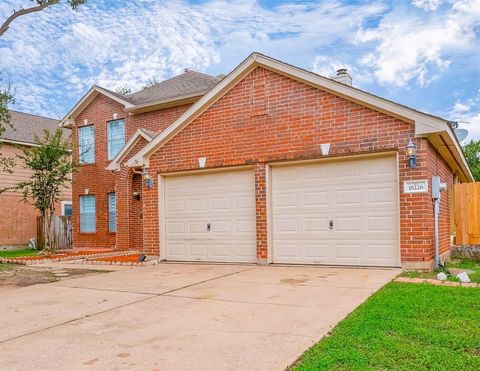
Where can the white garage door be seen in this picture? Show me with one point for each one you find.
(210, 217)
(340, 213)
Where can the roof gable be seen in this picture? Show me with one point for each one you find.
(425, 124)
(94, 91)
(115, 164)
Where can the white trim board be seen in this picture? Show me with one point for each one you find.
(116, 161)
(425, 124)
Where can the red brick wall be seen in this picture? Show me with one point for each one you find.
(94, 177)
(135, 215)
(19, 226)
(100, 181)
(268, 117)
(16, 228)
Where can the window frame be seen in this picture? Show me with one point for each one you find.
(94, 214)
(109, 195)
(80, 157)
(63, 204)
(110, 156)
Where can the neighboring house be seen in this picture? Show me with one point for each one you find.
(270, 163)
(18, 219)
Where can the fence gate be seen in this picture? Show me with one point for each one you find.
(467, 213)
(60, 232)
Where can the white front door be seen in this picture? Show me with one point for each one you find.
(210, 217)
(342, 212)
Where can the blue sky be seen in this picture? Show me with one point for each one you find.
(422, 53)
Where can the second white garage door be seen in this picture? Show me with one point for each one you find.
(338, 212)
(210, 217)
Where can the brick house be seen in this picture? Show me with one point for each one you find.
(269, 164)
(18, 219)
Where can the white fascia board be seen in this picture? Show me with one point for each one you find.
(68, 120)
(114, 165)
(194, 111)
(425, 121)
(460, 153)
(18, 142)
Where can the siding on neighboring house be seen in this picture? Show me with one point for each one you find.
(18, 221)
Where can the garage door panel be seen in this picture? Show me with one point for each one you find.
(226, 201)
(360, 197)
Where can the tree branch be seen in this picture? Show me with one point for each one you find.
(21, 12)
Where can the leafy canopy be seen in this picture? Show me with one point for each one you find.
(51, 165)
(472, 154)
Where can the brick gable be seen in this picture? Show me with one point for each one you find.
(269, 117)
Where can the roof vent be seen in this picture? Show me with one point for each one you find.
(343, 76)
(186, 70)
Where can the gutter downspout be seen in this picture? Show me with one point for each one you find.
(437, 188)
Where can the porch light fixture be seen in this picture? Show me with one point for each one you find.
(411, 154)
(147, 178)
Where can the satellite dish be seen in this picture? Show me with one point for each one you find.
(461, 134)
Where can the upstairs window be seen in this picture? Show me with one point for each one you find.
(87, 214)
(86, 144)
(116, 137)
(112, 212)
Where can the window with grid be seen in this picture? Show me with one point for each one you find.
(87, 214)
(116, 137)
(112, 212)
(86, 144)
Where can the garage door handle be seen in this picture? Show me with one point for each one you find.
(330, 224)
(209, 227)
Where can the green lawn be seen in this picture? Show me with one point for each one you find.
(465, 264)
(16, 253)
(404, 326)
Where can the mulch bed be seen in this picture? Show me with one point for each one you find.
(123, 258)
(66, 256)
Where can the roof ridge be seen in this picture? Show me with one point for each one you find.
(33, 114)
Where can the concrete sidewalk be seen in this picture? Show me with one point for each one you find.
(179, 317)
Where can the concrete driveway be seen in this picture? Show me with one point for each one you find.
(179, 317)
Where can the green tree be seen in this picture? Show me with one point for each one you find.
(6, 96)
(50, 162)
(124, 89)
(152, 81)
(472, 154)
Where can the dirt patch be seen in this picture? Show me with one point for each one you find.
(19, 275)
(14, 275)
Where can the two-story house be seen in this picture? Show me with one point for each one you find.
(269, 164)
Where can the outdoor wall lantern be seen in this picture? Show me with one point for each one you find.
(411, 154)
(147, 178)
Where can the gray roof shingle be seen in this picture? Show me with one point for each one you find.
(27, 126)
(190, 83)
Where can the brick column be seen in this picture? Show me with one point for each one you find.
(122, 193)
(151, 243)
(261, 212)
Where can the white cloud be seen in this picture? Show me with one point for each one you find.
(135, 40)
(467, 114)
(327, 66)
(409, 47)
(427, 4)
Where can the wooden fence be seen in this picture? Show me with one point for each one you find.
(467, 213)
(60, 232)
